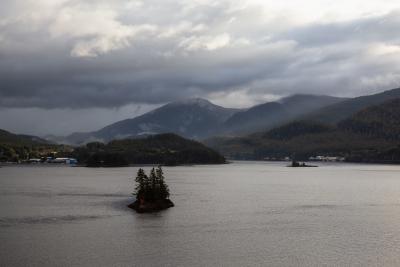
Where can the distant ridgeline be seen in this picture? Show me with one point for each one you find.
(370, 135)
(17, 147)
(165, 149)
(198, 119)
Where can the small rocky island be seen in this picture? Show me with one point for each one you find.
(152, 193)
(296, 164)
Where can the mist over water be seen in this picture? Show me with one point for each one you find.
(240, 214)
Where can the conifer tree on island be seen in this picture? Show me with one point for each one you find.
(152, 193)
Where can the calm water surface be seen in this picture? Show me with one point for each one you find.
(241, 214)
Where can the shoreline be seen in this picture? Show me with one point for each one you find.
(151, 207)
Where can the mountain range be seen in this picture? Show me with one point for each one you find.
(192, 118)
(305, 124)
(369, 135)
(271, 114)
(342, 110)
(200, 119)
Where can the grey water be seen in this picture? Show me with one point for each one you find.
(240, 214)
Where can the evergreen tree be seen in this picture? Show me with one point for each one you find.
(153, 179)
(141, 179)
(147, 184)
(163, 191)
(151, 196)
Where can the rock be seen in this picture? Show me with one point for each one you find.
(147, 207)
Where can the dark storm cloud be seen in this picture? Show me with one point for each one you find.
(96, 54)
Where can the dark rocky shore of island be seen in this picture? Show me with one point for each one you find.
(147, 207)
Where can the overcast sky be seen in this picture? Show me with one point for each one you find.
(70, 65)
